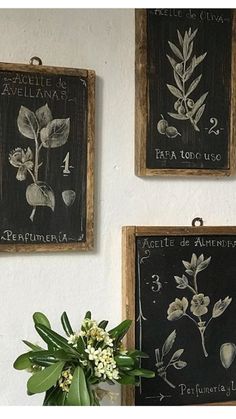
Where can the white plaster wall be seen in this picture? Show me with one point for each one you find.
(102, 40)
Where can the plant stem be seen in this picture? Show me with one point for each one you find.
(192, 289)
(189, 317)
(203, 343)
(32, 214)
(167, 381)
(195, 282)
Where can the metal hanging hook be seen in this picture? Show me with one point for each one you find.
(197, 222)
(35, 61)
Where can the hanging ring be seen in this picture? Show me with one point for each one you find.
(35, 61)
(197, 222)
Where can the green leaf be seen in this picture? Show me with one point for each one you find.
(176, 92)
(43, 380)
(54, 339)
(103, 324)
(54, 397)
(140, 372)
(88, 315)
(124, 361)
(176, 50)
(120, 331)
(33, 346)
(138, 354)
(23, 362)
(40, 318)
(66, 324)
(80, 345)
(126, 379)
(78, 394)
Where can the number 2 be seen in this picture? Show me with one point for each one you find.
(211, 130)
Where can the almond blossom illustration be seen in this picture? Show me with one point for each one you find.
(199, 304)
(46, 132)
(174, 361)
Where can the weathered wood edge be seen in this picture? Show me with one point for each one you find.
(128, 300)
(140, 91)
(129, 234)
(89, 242)
(141, 109)
(43, 69)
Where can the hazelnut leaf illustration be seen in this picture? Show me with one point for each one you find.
(27, 123)
(40, 194)
(56, 133)
(44, 116)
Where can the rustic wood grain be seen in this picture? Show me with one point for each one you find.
(142, 104)
(89, 242)
(129, 235)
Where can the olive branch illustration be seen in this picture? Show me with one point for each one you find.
(48, 133)
(174, 361)
(183, 66)
(199, 303)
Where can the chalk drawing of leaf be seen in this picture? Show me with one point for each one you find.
(178, 81)
(198, 104)
(185, 45)
(168, 343)
(27, 123)
(172, 61)
(190, 50)
(176, 92)
(56, 133)
(180, 38)
(40, 194)
(178, 116)
(199, 113)
(44, 116)
(175, 357)
(193, 35)
(193, 85)
(179, 365)
(200, 59)
(181, 281)
(175, 50)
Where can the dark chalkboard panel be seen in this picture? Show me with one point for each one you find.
(46, 160)
(179, 288)
(185, 98)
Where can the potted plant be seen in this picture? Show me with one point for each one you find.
(70, 370)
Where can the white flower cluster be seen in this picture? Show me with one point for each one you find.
(92, 332)
(105, 365)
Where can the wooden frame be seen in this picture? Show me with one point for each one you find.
(129, 235)
(143, 106)
(52, 87)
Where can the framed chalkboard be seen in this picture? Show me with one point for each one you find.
(185, 66)
(46, 158)
(179, 289)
